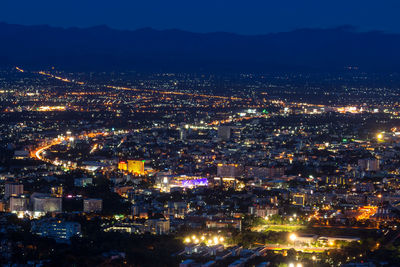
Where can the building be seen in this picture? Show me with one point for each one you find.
(264, 172)
(122, 166)
(57, 191)
(61, 231)
(337, 180)
(262, 211)
(224, 223)
(21, 154)
(369, 164)
(178, 209)
(167, 182)
(92, 205)
(157, 226)
(229, 170)
(45, 203)
(18, 204)
(13, 189)
(299, 199)
(182, 133)
(135, 210)
(224, 132)
(136, 167)
(83, 182)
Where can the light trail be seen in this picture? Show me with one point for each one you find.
(49, 75)
(94, 148)
(40, 150)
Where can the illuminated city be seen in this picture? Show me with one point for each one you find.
(137, 146)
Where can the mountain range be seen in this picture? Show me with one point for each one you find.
(103, 48)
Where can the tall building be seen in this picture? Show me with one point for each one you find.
(13, 189)
(136, 167)
(18, 204)
(182, 133)
(224, 132)
(369, 164)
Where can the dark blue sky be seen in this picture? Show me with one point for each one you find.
(245, 16)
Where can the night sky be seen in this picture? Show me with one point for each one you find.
(245, 16)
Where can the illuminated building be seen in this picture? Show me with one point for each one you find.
(61, 231)
(261, 211)
(3, 207)
(335, 180)
(13, 189)
(166, 182)
(18, 204)
(369, 164)
(57, 191)
(224, 223)
(122, 166)
(44, 203)
(136, 167)
(226, 182)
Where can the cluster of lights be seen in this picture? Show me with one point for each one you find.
(295, 265)
(215, 240)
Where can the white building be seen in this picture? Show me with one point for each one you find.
(45, 203)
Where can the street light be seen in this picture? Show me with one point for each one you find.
(293, 237)
(314, 258)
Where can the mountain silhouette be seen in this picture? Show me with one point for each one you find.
(103, 48)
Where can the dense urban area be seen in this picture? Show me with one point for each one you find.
(198, 169)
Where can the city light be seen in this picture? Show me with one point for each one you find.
(314, 258)
(207, 239)
(293, 237)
